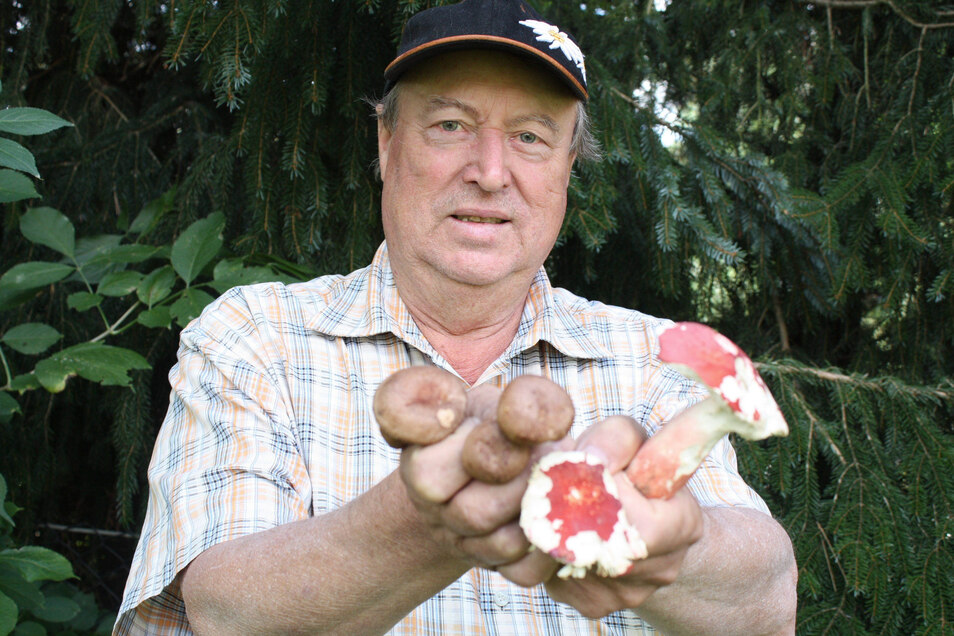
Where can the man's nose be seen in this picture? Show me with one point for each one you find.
(490, 163)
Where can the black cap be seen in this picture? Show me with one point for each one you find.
(508, 25)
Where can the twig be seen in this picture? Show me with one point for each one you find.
(111, 329)
(864, 382)
(862, 4)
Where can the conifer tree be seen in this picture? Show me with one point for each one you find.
(780, 170)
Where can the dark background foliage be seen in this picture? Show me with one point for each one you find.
(781, 170)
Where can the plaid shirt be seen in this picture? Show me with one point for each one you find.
(270, 421)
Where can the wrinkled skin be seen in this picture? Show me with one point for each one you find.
(478, 521)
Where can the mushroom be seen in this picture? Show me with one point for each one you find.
(571, 510)
(576, 517)
(419, 405)
(530, 410)
(739, 402)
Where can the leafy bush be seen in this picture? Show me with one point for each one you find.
(154, 285)
(35, 595)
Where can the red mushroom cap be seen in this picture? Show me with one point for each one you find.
(702, 353)
(572, 512)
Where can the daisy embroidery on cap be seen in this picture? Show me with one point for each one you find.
(557, 38)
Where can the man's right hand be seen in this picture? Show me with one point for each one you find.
(477, 522)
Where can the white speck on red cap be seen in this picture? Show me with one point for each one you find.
(702, 353)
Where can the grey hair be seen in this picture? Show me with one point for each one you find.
(584, 142)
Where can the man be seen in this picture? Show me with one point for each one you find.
(275, 505)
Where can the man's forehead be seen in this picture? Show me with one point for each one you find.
(460, 71)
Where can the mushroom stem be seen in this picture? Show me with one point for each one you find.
(667, 460)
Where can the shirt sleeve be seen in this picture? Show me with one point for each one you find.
(226, 461)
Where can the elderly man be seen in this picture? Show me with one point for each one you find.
(276, 506)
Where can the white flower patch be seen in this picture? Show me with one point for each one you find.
(556, 38)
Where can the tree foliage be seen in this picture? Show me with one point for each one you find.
(781, 170)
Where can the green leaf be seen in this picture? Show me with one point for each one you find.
(197, 246)
(33, 274)
(155, 317)
(231, 272)
(152, 212)
(156, 285)
(31, 337)
(190, 305)
(95, 249)
(24, 382)
(8, 406)
(57, 609)
(15, 186)
(29, 121)
(3, 498)
(100, 363)
(37, 564)
(30, 628)
(13, 155)
(52, 374)
(85, 621)
(25, 594)
(49, 227)
(92, 256)
(119, 283)
(8, 614)
(121, 254)
(82, 301)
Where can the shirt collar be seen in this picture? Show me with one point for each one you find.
(366, 303)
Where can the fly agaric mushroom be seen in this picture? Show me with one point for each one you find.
(739, 402)
(553, 503)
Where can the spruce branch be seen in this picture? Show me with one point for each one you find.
(878, 384)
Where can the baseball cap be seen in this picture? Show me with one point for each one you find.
(508, 25)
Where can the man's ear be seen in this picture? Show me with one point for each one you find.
(384, 144)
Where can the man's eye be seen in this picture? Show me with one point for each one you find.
(450, 126)
(528, 138)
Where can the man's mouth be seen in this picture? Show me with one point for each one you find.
(478, 219)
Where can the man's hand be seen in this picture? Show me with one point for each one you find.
(668, 527)
(709, 571)
(475, 521)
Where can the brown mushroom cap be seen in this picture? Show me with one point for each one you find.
(534, 409)
(490, 457)
(419, 405)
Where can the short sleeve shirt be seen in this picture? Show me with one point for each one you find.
(270, 421)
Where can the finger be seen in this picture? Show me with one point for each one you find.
(614, 441)
(504, 545)
(595, 596)
(434, 473)
(480, 508)
(482, 402)
(533, 568)
(666, 525)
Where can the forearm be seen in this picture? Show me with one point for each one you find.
(739, 578)
(357, 570)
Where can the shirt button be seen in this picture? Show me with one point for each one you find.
(501, 598)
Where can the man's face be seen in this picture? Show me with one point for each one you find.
(476, 170)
